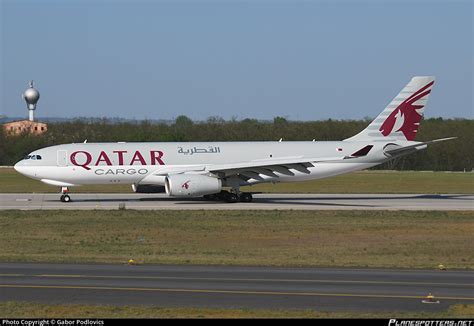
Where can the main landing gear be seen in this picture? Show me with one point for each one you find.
(231, 196)
(65, 198)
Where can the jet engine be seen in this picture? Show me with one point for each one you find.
(148, 189)
(191, 185)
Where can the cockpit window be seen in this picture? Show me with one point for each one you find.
(33, 157)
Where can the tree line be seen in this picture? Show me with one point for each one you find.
(455, 155)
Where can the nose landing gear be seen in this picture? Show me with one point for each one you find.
(65, 198)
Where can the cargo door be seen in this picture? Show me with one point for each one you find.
(62, 158)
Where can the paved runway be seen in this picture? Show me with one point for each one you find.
(261, 201)
(236, 287)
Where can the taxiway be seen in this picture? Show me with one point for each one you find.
(236, 287)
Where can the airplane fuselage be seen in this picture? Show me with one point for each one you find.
(144, 163)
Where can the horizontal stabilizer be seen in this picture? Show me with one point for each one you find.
(394, 150)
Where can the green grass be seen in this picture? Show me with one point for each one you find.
(372, 181)
(33, 310)
(358, 182)
(406, 239)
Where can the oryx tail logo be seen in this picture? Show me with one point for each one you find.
(407, 116)
(186, 185)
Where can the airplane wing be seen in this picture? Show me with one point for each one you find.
(254, 169)
(268, 167)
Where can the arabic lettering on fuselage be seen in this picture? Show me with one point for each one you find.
(196, 150)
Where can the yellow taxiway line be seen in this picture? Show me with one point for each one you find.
(237, 292)
(177, 278)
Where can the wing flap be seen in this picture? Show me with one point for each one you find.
(268, 164)
(259, 169)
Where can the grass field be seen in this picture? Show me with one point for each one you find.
(406, 239)
(401, 239)
(31, 310)
(357, 182)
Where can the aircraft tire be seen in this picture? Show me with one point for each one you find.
(232, 198)
(246, 197)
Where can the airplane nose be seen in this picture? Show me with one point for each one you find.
(19, 167)
(24, 168)
(16, 166)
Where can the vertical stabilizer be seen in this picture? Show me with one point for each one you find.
(401, 118)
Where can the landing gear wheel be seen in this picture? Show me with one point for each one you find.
(231, 197)
(64, 195)
(246, 197)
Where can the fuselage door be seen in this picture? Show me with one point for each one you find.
(62, 158)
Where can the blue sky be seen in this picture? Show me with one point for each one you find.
(305, 60)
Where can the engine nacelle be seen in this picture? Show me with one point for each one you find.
(148, 189)
(191, 185)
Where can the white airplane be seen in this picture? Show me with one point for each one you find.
(194, 169)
